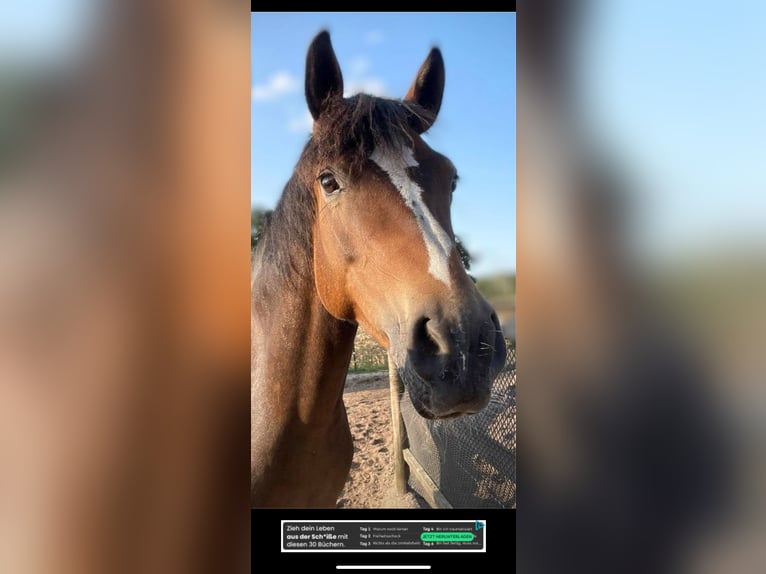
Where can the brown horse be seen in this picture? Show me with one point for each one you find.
(361, 235)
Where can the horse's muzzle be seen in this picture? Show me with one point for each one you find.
(450, 365)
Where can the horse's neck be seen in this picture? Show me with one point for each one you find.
(300, 353)
(298, 422)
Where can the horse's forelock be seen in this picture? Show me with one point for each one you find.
(350, 129)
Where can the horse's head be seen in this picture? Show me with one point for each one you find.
(383, 250)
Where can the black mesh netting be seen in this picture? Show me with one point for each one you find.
(472, 459)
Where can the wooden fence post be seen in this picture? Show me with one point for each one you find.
(396, 388)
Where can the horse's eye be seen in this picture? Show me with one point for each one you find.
(328, 182)
(454, 183)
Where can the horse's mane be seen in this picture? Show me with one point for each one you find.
(346, 134)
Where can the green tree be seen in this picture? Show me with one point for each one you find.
(258, 218)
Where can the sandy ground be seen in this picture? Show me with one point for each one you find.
(370, 483)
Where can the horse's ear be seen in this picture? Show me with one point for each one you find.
(427, 89)
(323, 77)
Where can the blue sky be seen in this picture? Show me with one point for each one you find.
(676, 91)
(380, 54)
(680, 97)
(42, 32)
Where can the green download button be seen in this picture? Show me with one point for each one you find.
(447, 537)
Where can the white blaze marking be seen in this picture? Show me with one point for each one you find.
(438, 243)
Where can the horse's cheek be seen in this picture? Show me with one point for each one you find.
(330, 284)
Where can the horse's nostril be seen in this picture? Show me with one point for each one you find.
(423, 340)
(429, 348)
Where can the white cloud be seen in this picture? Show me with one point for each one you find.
(359, 65)
(370, 85)
(303, 123)
(279, 84)
(374, 37)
